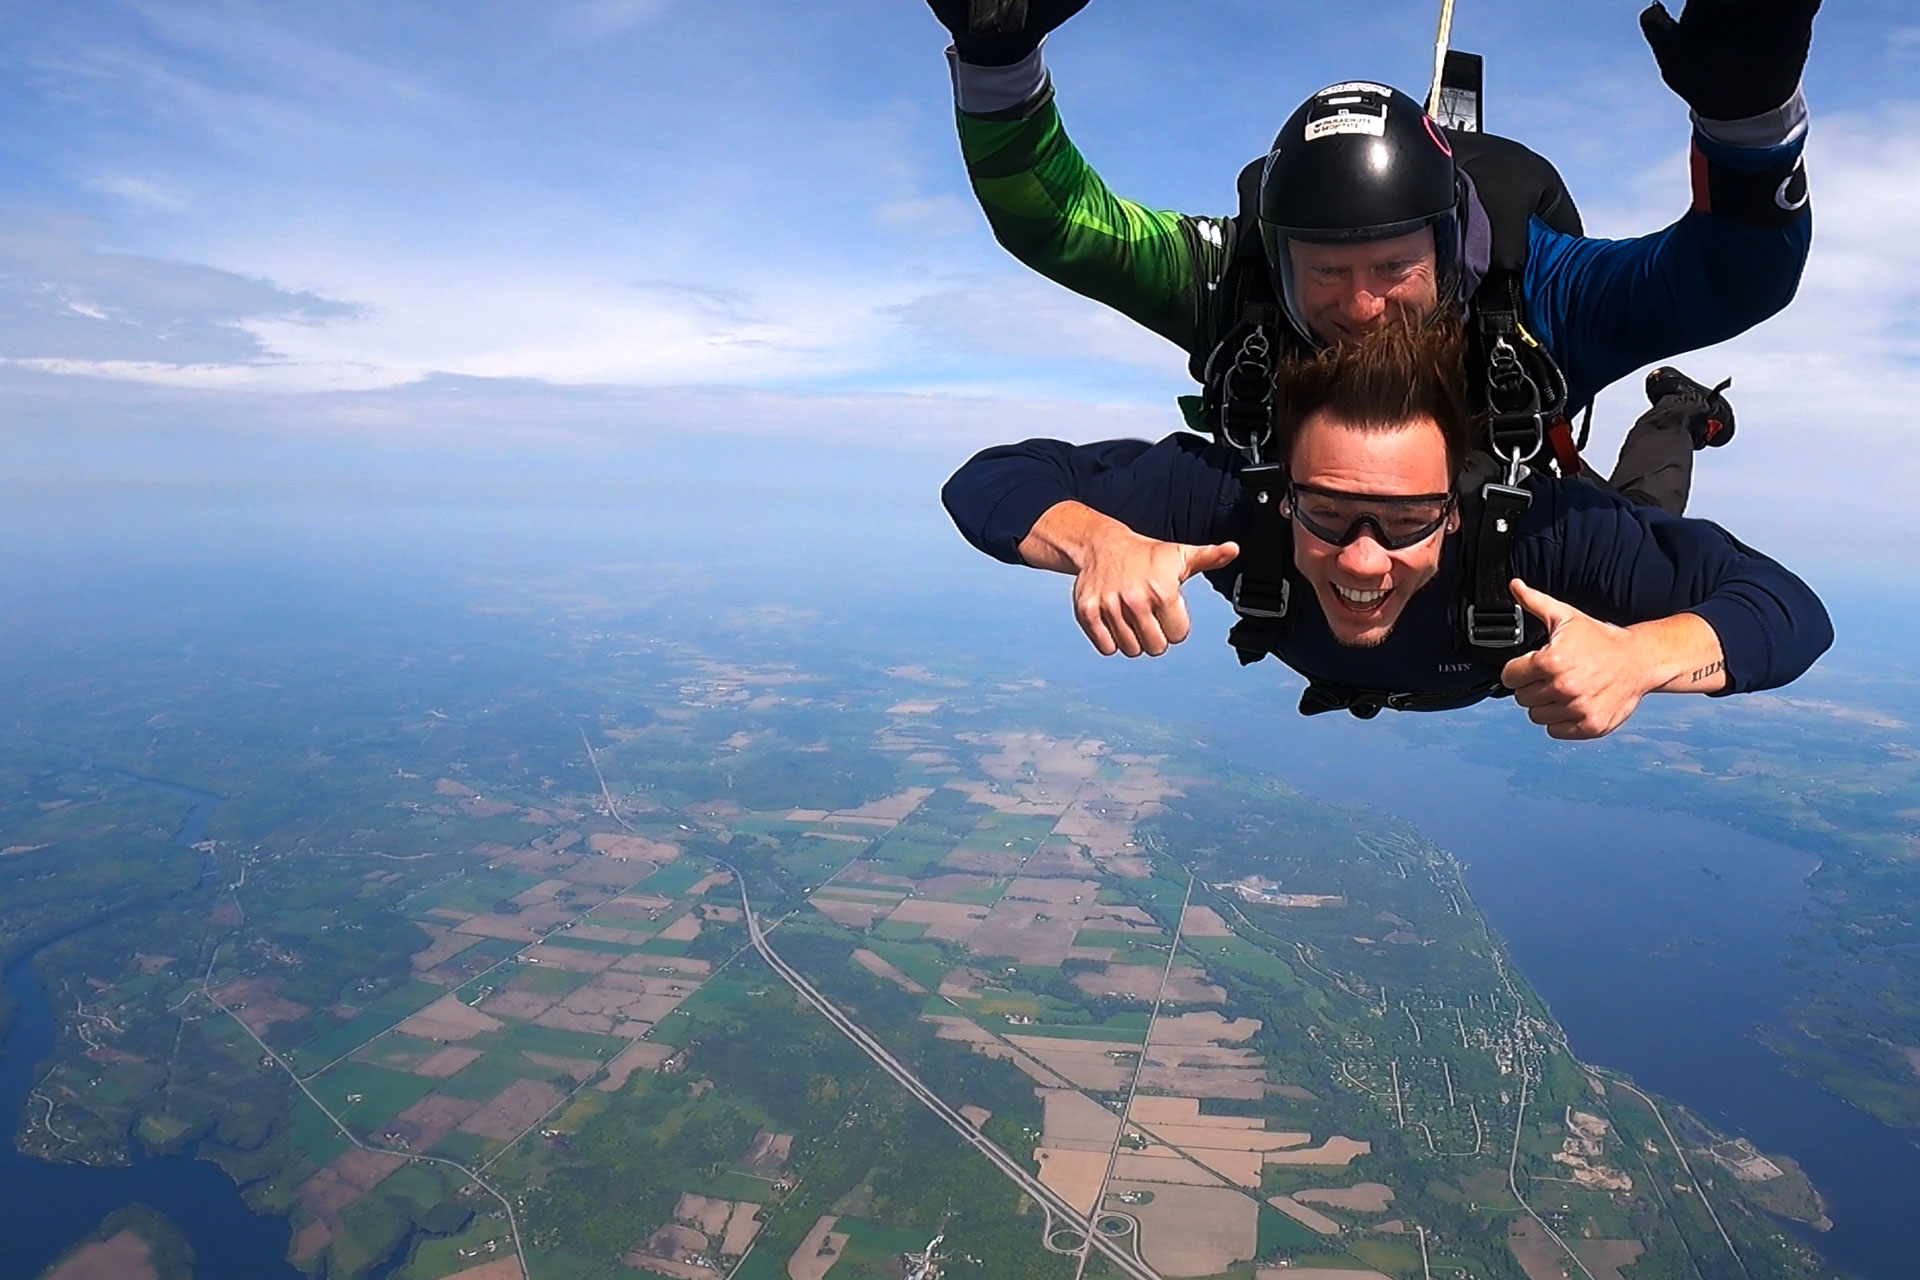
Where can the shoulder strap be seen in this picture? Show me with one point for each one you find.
(1263, 592)
(1489, 617)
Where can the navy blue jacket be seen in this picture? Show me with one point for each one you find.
(1592, 549)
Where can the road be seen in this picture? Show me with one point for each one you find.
(1122, 1261)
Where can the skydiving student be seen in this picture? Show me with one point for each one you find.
(1623, 599)
(1365, 209)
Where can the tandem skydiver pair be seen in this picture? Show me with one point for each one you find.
(1369, 240)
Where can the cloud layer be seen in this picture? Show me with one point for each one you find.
(247, 237)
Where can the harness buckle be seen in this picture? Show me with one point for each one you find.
(1501, 627)
(1261, 601)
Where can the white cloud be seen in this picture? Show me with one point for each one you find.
(1826, 391)
(1019, 315)
(141, 193)
(599, 19)
(67, 303)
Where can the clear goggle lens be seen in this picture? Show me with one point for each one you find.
(1396, 522)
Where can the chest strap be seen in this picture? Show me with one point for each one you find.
(1320, 697)
(1263, 590)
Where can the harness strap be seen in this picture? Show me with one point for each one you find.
(1492, 618)
(1262, 594)
(1320, 697)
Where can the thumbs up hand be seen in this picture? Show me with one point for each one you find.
(1589, 676)
(1126, 595)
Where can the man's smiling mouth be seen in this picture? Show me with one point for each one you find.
(1360, 601)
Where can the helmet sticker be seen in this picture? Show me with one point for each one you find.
(1333, 126)
(1345, 109)
(1355, 86)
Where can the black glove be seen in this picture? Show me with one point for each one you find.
(1001, 48)
(1730, 59)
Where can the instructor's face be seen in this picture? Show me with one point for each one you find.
(1346, 291)
(1363, 587)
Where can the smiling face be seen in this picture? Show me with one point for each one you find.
(1344, 291)
(1363, 587)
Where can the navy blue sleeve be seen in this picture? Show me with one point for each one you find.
(1179, 490)
(1606, 307)
(1623, 564)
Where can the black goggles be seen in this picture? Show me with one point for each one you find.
(1397, 522)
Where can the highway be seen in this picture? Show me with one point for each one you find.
(1122, 1261)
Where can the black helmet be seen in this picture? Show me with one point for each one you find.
(1359, 162)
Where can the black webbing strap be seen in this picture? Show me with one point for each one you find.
(1492, 619)
(1262, 594)
(1320, 697)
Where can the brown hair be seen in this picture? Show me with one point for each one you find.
(1397, 374)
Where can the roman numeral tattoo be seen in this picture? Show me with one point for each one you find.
(1711, 669)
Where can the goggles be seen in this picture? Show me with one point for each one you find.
(1396, 522)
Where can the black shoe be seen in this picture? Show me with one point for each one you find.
(1709, 416)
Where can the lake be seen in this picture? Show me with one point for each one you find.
(45, 1208)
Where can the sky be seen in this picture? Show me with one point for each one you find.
(492, 252)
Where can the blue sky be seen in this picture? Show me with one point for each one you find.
(244, 243)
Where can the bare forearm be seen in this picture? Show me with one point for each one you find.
(1683, 654)
(1064, 537)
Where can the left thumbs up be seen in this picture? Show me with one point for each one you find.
(1588, 677)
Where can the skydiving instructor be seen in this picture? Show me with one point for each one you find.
(1366, 210)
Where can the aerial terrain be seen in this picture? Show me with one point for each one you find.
(597, 939)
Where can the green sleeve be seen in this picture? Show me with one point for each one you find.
(1050, 209)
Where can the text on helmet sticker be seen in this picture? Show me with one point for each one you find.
(1374, 125)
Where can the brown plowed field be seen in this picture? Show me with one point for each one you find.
(1074, 1175)
(1195, 1231)
(1072, 1119)
(945, 921)
(767, 1154)
(253, 1001)
(427, 1121)
(633, 906)
(818, 1252)
(1015, 929)
(1060, 892)
(1310, 1218)
(513, 1109)
(857, 914)
(448, 1018)
(742, 1227)
(572, 959)
(1204, 1028)
(512, 928)
(1334, 1151)
(448, 1062)
(518, 1004)
(507, 1268)
(629, 848)
(638, 1056)
(445, 946)
(703, 1213)
(545, 891)
(880, 967)
(1367, 1197)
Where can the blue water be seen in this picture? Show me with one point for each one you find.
(45, 1207)
(1659, 941)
